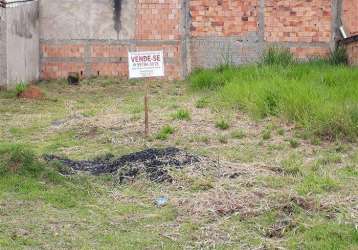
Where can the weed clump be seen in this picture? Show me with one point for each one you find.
(18, 159)
(292, 166)
(181, 114)
(20, 88)
(266, 135)
(338, 56)
(165, 132)
(278, 56)
(222, 124)
(202, 103)
(294, 143)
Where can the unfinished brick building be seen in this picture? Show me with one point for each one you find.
(92, 37)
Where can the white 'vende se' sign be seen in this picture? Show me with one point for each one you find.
(145, 64)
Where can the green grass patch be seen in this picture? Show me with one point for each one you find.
(328, 236)
(294, 143)
(202, 103)
(293, 165)
(266, 134)
(24, 176)
(319, 97)
(182, 114)
(164, 133)
(313, 183)
(222, 124)
(211, 79)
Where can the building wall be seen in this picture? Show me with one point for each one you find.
(92, 37)
(225, 31)
(3, 60)
(352, 51)
(19, 49)
(350, 16)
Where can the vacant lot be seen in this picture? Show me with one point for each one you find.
(268, 179)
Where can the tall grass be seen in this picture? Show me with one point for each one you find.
(320, 97)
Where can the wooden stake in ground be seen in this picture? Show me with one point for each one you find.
(146, 110)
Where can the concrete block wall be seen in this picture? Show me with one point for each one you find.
(19, 43)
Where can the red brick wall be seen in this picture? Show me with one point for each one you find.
(298, 20)
(56, 70)
(106, 59)
(63, 50)
(223, 17)
(158, 19)
(352, 51)
(350, 16)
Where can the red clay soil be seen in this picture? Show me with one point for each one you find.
(32, 92)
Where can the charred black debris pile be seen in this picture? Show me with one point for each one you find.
(153, 163)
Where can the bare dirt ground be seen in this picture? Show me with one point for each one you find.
(261, 185)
